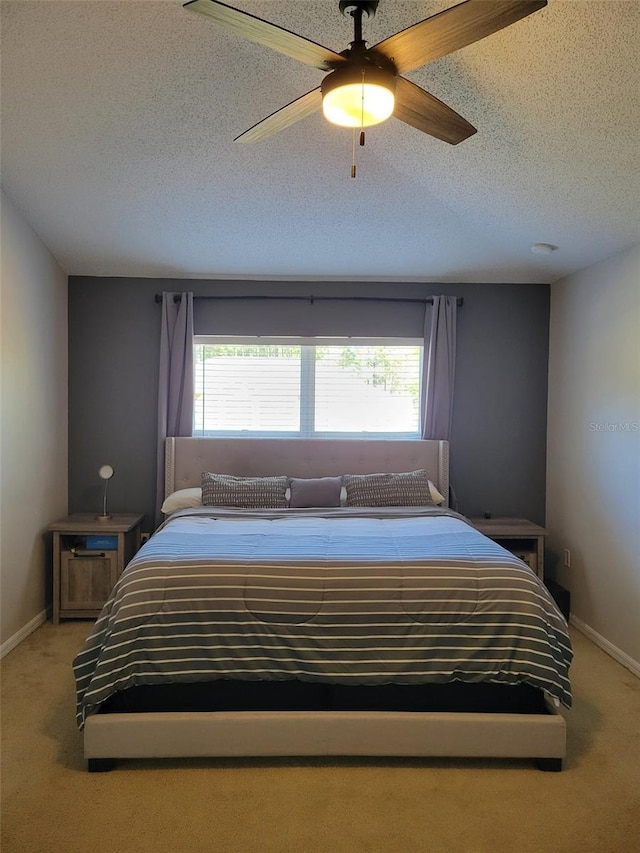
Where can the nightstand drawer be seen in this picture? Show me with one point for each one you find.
(86, 580)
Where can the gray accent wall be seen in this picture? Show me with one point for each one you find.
(498, 441)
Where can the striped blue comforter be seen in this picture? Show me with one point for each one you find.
(359, 597)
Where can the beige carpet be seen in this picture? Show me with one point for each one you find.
(50, 804)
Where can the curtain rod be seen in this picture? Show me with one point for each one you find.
(311, 298)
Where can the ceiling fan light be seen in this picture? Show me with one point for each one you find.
(356, 97)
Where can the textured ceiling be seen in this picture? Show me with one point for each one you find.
(118, 120)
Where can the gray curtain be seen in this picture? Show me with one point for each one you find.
(175, 385)
(439, 367)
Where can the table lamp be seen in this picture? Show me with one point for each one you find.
(105, 472)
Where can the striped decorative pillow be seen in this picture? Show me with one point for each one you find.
(247, 492)
(405, 489)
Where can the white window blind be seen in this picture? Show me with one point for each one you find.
(307, 387)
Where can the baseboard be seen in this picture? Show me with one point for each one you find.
(24, 632)
(606, 646)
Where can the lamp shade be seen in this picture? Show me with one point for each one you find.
(358, 96)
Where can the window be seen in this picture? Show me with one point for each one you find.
(307, 387)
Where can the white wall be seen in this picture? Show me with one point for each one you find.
(593, 453)
(33, 419)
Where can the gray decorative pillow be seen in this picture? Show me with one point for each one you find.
(405, 489)
(317, 491)
(247, 492)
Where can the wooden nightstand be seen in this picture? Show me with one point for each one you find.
(83, 577)
(523, 538)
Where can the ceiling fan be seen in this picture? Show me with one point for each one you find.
(364, 85)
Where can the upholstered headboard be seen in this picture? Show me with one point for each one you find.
(187, 458)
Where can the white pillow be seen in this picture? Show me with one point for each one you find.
(182, 499)
(436, 497)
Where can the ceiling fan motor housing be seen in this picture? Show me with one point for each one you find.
(358, 72)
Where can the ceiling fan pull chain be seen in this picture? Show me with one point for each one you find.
(361, 120)
(353, 153)
(362, 112)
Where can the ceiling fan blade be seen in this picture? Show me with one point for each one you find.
(284, 117)
(425, 112)
(268, 34)
(452, 29)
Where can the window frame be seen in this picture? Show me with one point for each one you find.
(307, 384)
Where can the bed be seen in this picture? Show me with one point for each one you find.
(393, 630)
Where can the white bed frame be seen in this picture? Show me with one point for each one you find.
(292, 733)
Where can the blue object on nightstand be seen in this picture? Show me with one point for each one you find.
(102, 543)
